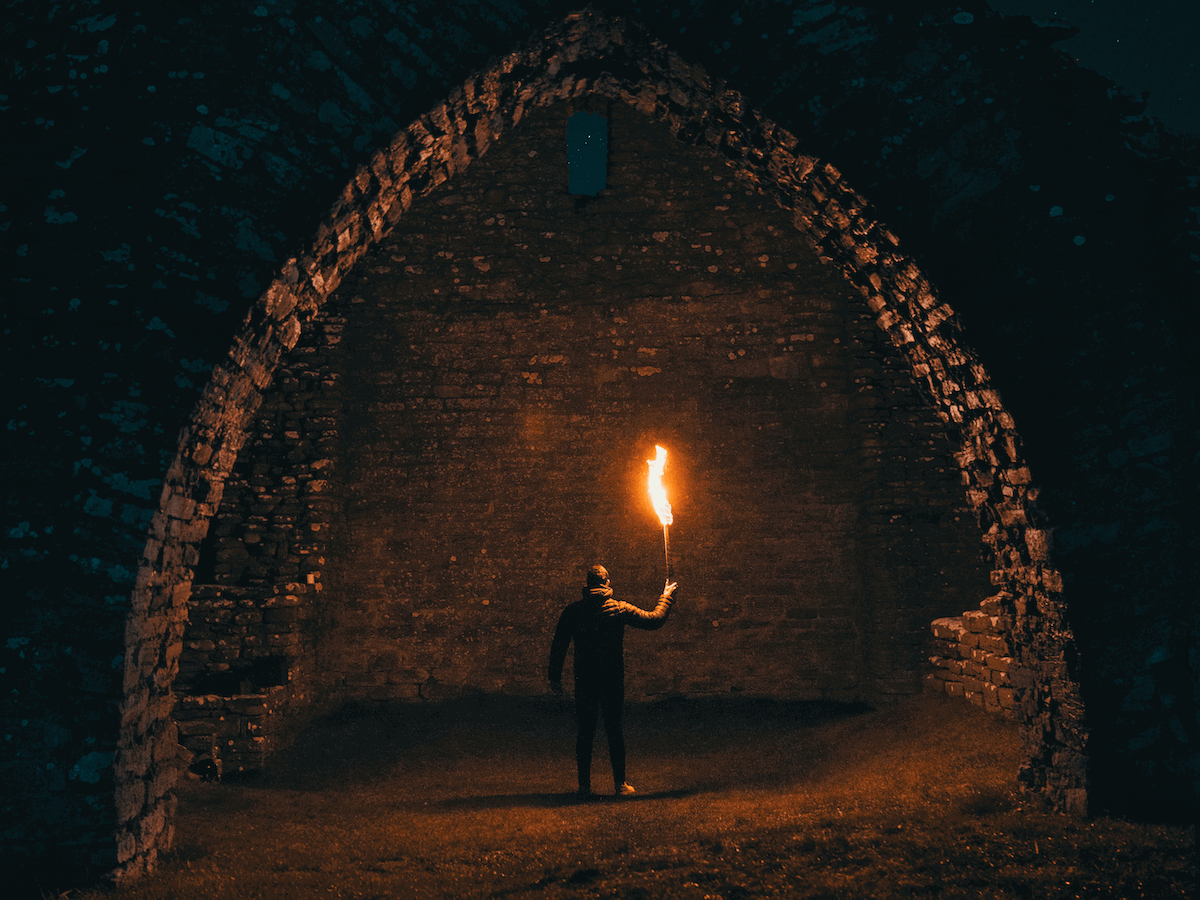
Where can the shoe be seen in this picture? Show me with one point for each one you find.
(584, 794)
(625, 790)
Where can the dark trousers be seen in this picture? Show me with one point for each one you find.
(592, 697)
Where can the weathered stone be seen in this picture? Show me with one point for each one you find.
(993, 644)
(948, 628)
(1000, 663)
(976, 621)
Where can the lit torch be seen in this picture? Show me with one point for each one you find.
(658, 496)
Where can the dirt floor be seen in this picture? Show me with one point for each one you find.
(736, 799)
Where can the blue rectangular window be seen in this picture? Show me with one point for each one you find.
(587, 153)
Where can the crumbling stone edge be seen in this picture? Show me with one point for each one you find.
(587, 53)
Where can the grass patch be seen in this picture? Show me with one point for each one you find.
(736, 800)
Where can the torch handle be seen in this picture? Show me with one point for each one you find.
(667, 551)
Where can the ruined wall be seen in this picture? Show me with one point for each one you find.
(973, 657)
(245, 683)
(247, 677)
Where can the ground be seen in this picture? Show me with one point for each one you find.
(736, 799)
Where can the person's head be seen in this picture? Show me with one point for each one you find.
(597, 576)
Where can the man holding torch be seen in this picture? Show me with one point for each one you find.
(596, 623)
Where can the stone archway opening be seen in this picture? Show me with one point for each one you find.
(563, 376)
(470, 426)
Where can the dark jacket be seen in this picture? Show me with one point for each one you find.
(597, 626)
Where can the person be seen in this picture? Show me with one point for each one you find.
(596, 623)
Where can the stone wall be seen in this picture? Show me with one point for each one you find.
(512, 355)
(235, 732)
(838, 224)
(509, 349)
(247, 671)
(276, 511)
(973, 658)
(232, 632)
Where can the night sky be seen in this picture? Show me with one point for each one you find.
(1140, 46)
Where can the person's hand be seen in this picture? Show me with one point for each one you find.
(670, 588)
(611, 607)
(556, 686)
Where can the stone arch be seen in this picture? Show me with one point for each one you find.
(587, 53)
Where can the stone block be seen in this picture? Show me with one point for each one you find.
(151, 824)
(197, 728)
(198, 705)
(130, 795)
(164, 779)
(976, 621)
(949, 628)
(180, 506)
(248, 705)
(947, 649)
(281, 617)
(198, 744)
(127, 851)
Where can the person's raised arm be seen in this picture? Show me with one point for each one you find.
(650, 619)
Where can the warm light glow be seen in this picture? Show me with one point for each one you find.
(658, 494)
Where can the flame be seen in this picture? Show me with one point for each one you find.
(658, 494)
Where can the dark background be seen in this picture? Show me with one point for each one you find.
(159, 169)
(1140, 46)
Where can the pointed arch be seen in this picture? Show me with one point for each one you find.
(588, 53)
